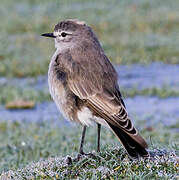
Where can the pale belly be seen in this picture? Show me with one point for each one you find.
(87, 118)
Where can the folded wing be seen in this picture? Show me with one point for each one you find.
(95, 81)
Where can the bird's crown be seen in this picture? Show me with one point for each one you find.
(69, 24)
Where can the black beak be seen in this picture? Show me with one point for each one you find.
(48, 35)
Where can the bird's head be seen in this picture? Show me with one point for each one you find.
(69, 32)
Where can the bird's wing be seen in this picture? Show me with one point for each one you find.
(95, 81)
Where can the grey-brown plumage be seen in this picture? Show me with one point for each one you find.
(83, 83)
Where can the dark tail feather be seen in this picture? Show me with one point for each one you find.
(133, 148)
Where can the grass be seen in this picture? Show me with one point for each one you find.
(101, 166)
(11, 93)
(22, 146)
(162, 92)
(130, 31)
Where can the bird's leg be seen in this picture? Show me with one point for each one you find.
(82, 140)
(99, 130)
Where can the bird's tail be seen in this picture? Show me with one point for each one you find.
(135, 146)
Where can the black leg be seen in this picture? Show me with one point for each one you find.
(82, 140)
(99, 130)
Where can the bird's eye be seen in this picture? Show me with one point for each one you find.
(63, 34)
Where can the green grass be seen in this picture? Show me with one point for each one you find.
(22, 144)
(162, 92)
(10, 93)
(130, 31)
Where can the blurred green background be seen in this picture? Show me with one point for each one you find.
(139, 31)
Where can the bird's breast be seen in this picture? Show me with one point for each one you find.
(57, 90)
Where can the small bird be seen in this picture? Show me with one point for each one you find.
(83, 83)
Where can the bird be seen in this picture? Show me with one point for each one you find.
(84, 85)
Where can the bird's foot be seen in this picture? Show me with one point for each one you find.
(68, 160)
(82, 153)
